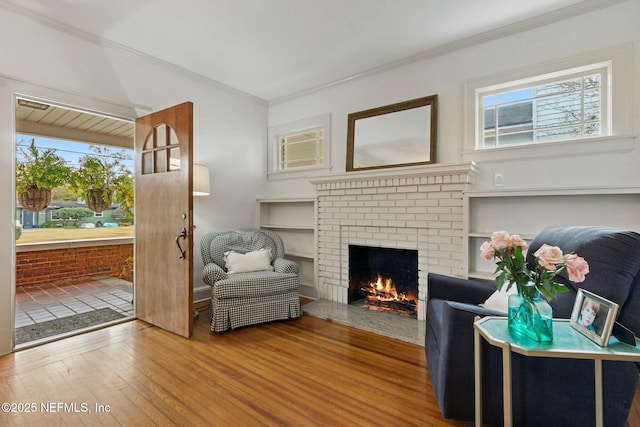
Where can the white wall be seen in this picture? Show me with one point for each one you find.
(446, 76)
(229, 126)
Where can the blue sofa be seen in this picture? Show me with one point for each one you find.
(546, 391)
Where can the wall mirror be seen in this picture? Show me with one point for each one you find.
(401, 134)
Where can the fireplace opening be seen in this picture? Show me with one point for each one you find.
(384, 279)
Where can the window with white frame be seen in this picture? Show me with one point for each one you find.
(564, 105)
(552, 108)
(300, 148)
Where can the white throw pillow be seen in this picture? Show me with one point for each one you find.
(251, 261)
(499, 300)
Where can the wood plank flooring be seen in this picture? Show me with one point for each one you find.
(306, 372)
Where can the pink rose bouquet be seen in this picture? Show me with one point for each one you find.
(511, 266)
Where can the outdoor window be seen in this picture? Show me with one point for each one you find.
(300, 148)
(565, 105)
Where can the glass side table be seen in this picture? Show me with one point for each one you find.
(567, 343)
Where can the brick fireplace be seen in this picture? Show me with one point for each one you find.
(413, 208)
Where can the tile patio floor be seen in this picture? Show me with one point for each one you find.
(40, 303)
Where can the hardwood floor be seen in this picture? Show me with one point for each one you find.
(306, 372)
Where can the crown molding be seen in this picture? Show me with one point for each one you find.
(561, 14)
(558, 15)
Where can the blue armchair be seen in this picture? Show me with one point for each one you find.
(546, 391)
(263, 289)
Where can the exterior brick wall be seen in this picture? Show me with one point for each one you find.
(420, 210)
(54, 265)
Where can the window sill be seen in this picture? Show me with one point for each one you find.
(299, 174)
(605, 144)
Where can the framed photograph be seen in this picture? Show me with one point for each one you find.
(593, 316)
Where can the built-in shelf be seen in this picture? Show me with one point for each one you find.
(481, 275)
(300, 254)
(527, 212)
(288, 227)
(295, 220)
(487, 235)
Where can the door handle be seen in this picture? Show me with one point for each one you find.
(181, 235)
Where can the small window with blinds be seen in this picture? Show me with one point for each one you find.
(301, 148)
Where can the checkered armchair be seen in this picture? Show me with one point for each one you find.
(248, 297)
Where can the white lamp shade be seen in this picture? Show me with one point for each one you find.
(201, 180)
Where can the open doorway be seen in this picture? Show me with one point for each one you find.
(74, 220)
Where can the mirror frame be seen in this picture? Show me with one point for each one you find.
(389, 109)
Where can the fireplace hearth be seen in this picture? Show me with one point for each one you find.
(384, 279)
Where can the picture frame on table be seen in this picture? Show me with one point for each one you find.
(593, 316)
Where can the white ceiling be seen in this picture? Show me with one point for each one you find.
(277, 48)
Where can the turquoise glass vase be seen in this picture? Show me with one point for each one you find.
(530, 315)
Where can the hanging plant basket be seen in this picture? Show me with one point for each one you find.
(34, 198)
(95, 199)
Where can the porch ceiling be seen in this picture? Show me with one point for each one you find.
(52, 121)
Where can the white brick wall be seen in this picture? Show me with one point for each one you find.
(418, 209)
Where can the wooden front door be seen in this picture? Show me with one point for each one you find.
(164, 218)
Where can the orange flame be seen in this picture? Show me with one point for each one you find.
(383, 289)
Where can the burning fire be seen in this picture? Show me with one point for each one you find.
(383, 289)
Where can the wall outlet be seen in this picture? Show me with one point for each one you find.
(498, 180)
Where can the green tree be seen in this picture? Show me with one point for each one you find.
(73, 214)
(64, 192)
(123, 194)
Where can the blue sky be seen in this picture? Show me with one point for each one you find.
(503, 98)
(71, 151)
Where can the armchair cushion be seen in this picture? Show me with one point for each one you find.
(499, 300)
(240, 241)
(614, 263)
(237, 262)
